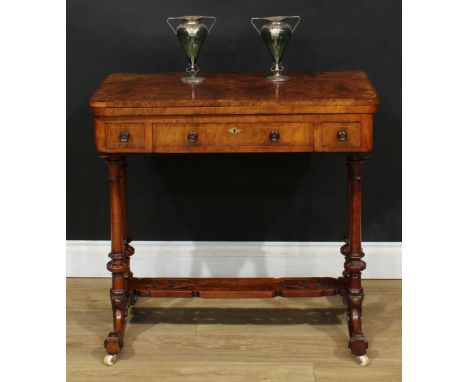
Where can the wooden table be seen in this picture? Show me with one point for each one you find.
(241, 113)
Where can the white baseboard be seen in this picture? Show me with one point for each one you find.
(233, 259)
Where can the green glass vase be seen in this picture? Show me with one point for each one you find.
(191, 33)
(276, 33)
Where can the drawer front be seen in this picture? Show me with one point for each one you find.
(343, 133)
(340, 136)
(125, 136)
(232, 135)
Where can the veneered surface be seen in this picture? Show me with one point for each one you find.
(249, 90)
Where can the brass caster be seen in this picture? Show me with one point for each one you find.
(363, 360)
(110, 359)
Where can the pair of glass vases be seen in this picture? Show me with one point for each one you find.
(192, 32)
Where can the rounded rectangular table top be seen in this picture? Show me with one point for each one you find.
(252, 93)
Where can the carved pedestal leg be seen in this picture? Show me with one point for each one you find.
(125, 238)
(345, 248)
(354, 264)
(119, 263)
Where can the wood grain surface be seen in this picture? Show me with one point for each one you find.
(156, 112)
(234, 90)
(235, 287)
(234, 340)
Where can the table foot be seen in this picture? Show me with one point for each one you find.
(358, 344)
(113, 343)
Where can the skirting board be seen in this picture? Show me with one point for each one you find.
(233, 259)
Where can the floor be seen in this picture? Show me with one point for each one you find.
(207, 340)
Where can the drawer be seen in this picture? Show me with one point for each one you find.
(232, 135)
(339, 136)
(125, 136)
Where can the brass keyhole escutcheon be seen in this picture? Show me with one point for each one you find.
(234, 130)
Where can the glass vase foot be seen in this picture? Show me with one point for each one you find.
(192, 80)
(278, 78)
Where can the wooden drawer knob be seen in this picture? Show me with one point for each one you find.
(124, 136)
(192, 136)
(274, 136)
(342, 135)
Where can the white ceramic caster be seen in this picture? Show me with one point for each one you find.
(110, 359)
(363, 360)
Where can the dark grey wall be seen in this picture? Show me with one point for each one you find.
(280, 197)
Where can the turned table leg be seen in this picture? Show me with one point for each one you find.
(354, 264)
(119, 264)
(129, 250)
(345, 248)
